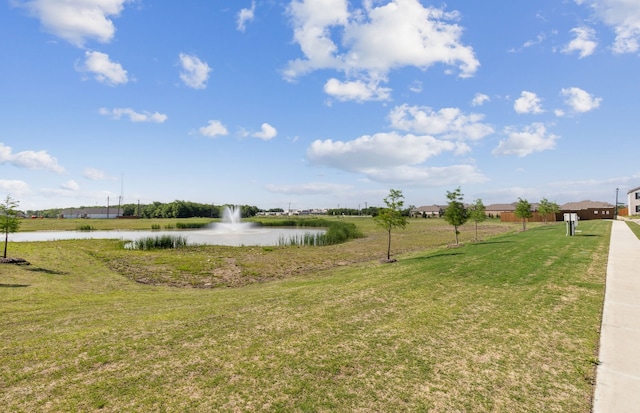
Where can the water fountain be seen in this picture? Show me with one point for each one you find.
(232, 221)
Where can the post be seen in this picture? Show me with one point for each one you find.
(615, 214)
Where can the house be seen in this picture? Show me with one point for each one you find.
(633, 201)
(427, 211)
(90, 212)
(590, 209)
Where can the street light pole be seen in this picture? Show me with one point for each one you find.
(616, 214)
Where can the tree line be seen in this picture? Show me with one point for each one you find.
(455, 213)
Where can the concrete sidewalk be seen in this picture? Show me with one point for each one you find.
(618, 375)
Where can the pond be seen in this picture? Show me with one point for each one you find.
(237, 236)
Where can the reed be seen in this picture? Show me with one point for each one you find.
(191, 225)
(160, 242)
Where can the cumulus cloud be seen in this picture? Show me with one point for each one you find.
(195, 72)
(480, 99)
(391, 157)
(579, 100)
(214, 129)
(246, 15)
(70, 185)
(134, 116)
(528, 102)
(103, 69)
(267, 132)
(76, 21)
(448, 123)
(584, 42)
(13, 186)
(624, 17)
(374, 40)
(378, 151)
(29, 159)
(356, 90)
(531, 139)
(310, 188)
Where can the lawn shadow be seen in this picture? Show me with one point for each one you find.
(440, 255)
(491, 242)
(13, 285)
(46, 271)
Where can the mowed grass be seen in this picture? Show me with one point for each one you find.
(507, 324)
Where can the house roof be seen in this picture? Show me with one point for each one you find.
(428, 208)
(576, 206)
(633, 190)
(501, 207)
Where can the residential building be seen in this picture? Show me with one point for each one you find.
(633, 201)
(589, 209)
(431, 211)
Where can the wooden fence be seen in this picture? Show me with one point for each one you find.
(536, 217)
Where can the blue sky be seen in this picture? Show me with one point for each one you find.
(317, 103)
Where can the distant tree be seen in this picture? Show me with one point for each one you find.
(523, 211)
(477, 213)
(546, 207)
(9, 221)
(391, 217)
(128, 210)
(455, 213)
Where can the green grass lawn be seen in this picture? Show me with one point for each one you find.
(509, 324)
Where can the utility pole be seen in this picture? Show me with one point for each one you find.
(615, 216)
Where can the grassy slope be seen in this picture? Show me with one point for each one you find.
(510, 324)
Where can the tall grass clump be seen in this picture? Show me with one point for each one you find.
(155, 227)
(337, 231)
(85, 227)
(191, 225)
(160, 242)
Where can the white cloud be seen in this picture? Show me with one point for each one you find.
(29, 159)
(14, 186)
(382, 150)
(480, 99)
(624, 17)
(195, 72)
(104, 70)
(393, 158)
(528, 102)
(356, 90)
(311, 188)
(416, 86)
(134, 116)
(539, 39)
(246, 15)
(579, 100)
(583, 43)
(213, 129)
(375, 40)
(70, 185)
(76, 21)
(93, 174)
(268, 132)
(449, 123)
(532, 138)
